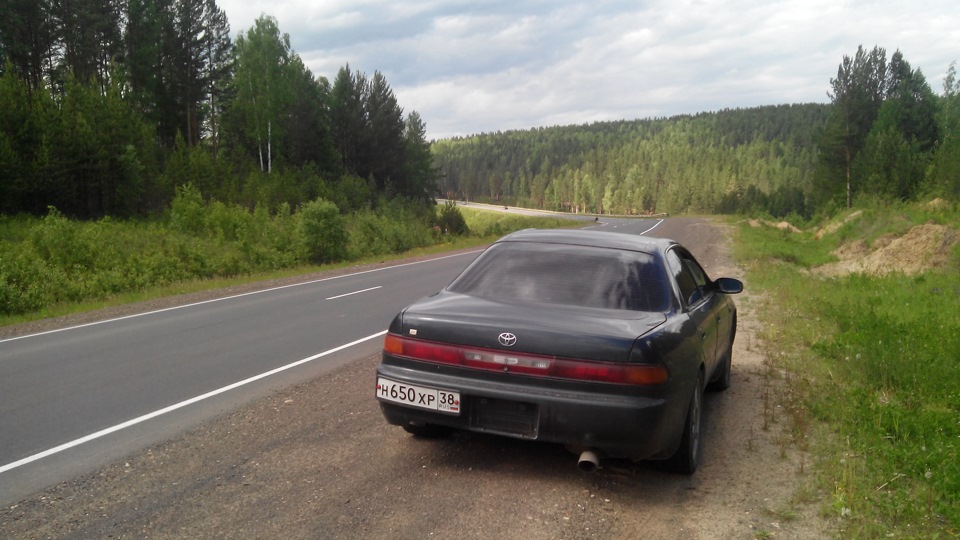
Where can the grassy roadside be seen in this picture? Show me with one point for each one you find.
(873, 364)
(111, 259)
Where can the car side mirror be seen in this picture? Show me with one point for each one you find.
(728, 285)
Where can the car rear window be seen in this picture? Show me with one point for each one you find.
(535, 273)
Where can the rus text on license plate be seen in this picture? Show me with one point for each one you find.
(418, 396)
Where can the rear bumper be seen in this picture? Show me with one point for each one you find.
(617, 425)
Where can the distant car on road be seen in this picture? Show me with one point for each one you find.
(599, 341)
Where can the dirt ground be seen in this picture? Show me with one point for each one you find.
(318, 461)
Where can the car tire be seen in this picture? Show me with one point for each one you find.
(687, 457)
(721, 380)
(427, 431)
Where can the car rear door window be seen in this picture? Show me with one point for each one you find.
(691, 279)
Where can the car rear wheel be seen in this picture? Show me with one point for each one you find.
(687, 458)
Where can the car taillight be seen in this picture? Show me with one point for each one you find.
(526, 364)
(419, 349)
(644, 374)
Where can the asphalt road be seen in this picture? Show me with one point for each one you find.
(76, 398)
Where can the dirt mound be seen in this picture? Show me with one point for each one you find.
(783, 225)
(923, 247)
(834, 227)
(938, 204)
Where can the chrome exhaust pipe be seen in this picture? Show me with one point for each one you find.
(589, 461)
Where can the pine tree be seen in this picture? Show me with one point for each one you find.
(901, 140)
(26, 39)
(945, 172)
(857, 94)
(218, 71)
(420, 173)
(189, 65)
(88, 38)
(385, 151)
(308, 124)
(914, 102)
(348, 119)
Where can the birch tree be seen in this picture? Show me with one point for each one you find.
(262, 91)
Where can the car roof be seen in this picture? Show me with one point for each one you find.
(581, 237)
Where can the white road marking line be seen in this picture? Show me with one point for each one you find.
(356, 292)
(654, 227)
(171, 408)
(234, 296)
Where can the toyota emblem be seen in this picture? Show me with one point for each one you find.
(507, 339)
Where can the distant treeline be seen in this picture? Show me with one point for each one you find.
(107, 106)
(684, 163)
(885, 134)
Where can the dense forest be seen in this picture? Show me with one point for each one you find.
(884, 134)
(108, 106)
(684, 163)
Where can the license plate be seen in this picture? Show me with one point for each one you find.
(418, 396)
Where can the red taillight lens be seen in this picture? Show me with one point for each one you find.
(431, 352)
(545, 366)
(419, 349)
(643, 374)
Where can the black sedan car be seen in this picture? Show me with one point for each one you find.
(602, 342)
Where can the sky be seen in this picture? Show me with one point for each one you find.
(475, 66)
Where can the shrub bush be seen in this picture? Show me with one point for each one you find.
(187, 211)
(385, 232)
(321, 231)
(451, 221)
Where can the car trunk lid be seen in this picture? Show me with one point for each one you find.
(550, 330)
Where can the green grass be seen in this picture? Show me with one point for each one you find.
(875, 362)
(493, 223)
(801, 250)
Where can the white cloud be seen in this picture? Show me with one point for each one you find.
(471, 66)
